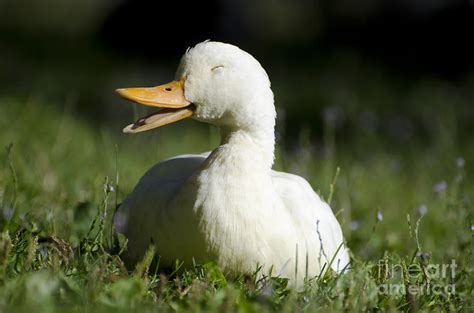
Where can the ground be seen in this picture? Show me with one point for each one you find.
(405, 207)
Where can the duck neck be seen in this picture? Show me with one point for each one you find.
(254, 142)
(234, 184)
(255, 146)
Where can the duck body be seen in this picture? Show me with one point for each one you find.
(229, 206)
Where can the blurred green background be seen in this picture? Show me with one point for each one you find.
(391, 67)
(376, 83)
(382, 90)
(352, 81)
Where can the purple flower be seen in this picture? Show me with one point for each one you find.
(120, 221)
(440, 187)
(460, 162)
(7, 213)
(379, 216)
(354, 225)
(423, 255)
(422, 209)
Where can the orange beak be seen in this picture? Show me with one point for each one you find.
(169, 97)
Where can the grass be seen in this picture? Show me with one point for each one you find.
(405, 208)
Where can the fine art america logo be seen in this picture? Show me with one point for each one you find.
(416, 279)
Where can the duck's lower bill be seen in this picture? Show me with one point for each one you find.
(157, 119)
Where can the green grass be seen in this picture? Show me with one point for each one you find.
(61, 178)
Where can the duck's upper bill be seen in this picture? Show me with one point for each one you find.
(169, 97)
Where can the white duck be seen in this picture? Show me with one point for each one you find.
(228, 206)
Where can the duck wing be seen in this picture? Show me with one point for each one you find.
(320, 233)
(138, 215)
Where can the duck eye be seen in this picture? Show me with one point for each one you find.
(216, 67)
(168, 89)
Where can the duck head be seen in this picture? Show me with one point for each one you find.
(216, 83)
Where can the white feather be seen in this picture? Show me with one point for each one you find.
(229, 206)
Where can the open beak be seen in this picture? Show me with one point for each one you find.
(169, 97)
